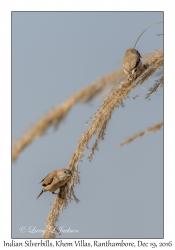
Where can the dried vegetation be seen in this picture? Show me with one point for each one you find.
(57, 114)
(97, 129)
(151, 129)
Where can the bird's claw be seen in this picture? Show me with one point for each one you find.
(54, 193)
(145, 66)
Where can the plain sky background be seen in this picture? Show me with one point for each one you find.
(54, 55)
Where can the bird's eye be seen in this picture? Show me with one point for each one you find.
(65, 172)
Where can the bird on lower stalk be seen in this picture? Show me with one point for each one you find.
(55, 180)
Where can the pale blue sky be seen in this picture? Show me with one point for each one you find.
(55, 54)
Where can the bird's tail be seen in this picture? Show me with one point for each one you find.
(40, 194)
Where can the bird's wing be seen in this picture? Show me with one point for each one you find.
(131, 62)
(49, 178)
(137, 60)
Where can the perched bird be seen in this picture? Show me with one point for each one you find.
(55, 180)
(132, 63)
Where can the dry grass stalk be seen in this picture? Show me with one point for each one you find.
(99, 124)
(58, 205)
(151, 129)
(104, 113)
(116, 84)
(159, 83)
(56, 115)
(136, 96)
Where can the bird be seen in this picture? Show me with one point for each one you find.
(132, 63)
(55, 180)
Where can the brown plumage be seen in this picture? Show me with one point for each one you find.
(132, 63)
(55, 180)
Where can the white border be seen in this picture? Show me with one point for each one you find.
(5, 97)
